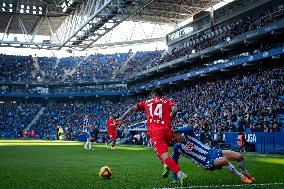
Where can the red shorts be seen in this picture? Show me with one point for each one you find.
(112, 135)
(160, 141)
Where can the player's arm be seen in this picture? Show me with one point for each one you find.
(139, 107)
(174, 111)
(130, 111)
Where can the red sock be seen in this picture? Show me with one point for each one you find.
(172, 165)
(113, 143)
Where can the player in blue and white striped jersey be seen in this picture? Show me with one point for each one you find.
(190, 147)
(86, 132)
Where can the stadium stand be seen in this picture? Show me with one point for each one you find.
(208, 106)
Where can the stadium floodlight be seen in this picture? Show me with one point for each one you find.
(69, 5)
(63, 5)
(70, 2)
(64, 9)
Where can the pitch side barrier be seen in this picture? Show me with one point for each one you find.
(265, 142)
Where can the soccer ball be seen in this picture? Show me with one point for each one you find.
(105, 172)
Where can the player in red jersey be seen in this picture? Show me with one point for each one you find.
(111, 129)
(159, 113)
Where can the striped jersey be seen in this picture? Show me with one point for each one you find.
(86, 123)
(192, 148)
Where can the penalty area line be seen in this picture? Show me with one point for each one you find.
(225, 186)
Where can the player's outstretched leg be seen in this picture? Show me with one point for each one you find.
(171, 164)
(108, 142)
(113, 144)
(242, 166)
(235, 156)
(90, 146)
(86, 144)
(223, 161)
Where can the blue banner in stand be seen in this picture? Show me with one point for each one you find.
(264, 142)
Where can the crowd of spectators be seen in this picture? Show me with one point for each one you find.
(15, 117)
(17, 68)
(244, 103)
(51, 69)
(98, 67)
(248, 102)
(222, 33)
(141, 61)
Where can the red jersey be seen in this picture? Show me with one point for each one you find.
(111, 126)
(157, 113)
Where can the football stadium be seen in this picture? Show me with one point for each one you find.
(118, 94)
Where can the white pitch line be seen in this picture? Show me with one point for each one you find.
(228, 185)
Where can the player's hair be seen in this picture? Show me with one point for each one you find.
(157, 92)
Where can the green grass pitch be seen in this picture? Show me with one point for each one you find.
(44, 164)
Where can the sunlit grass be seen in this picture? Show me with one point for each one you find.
(61, 143)
(279, 161)
(39, 144)
(35, 141)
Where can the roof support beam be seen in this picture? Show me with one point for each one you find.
(51, 28)
(122, 43)
(183, 6)
(36, 27)
(157, 18)
(23, 29)
(100, 5)
(126, 16)
(18, 3)
(8, 26)
(93, 20)
(171, 12)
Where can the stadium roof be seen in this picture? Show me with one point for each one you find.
(14, 13)
(45, 17)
